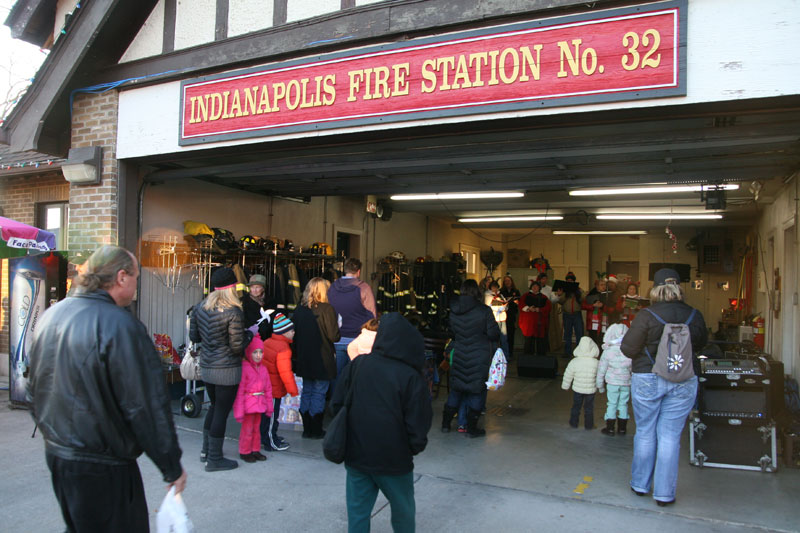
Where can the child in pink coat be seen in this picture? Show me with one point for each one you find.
(253, 399)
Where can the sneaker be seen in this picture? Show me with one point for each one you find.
(462, 429)
(278, 444)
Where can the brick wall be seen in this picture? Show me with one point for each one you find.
(93, 211)
(18, 198)
(93, 215)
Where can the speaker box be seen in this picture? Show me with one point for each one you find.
(537, 366)
(777, 402)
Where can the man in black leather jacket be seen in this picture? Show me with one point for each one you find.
(98, 395)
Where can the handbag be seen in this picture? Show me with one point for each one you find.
(334, 445)
(497, 371)
(190, 366)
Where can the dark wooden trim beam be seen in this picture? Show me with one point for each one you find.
(170, 18)
(32, 20)
(221, 20)
(279, 12)
(99, 32)
(379, 21)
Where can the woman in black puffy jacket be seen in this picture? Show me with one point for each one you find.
(217, 323)
(476, 335)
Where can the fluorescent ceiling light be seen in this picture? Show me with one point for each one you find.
(510, 219)
(663, 216)
(621, 232)
(459, 196)
(657, 189)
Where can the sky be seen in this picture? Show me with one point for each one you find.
(19, 60)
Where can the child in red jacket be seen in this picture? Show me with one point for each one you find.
(253, 399)
(278, 360)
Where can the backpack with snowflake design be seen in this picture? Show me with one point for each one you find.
(673, 360)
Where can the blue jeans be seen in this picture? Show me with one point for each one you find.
(587, 401)
(342, 359)
(660, 408)
(463, 401)
(362, 491)
(617, 396)
(312, 399)
(573, 322)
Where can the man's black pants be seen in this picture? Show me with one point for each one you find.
(99, 498)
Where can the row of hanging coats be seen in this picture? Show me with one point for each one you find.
(419, 291)
(287, 274)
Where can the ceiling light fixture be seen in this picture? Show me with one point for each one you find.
(510, 219)
(661, 216)
(657, 189)
(598, 232)
(459, 195)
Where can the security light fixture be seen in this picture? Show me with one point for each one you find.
(459, 196)
(655, 189)
(532, 218)
(83, 165)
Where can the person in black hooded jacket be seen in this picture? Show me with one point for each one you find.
(476, 334)
(388, 423)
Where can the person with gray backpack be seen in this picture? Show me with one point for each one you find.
(661, 343)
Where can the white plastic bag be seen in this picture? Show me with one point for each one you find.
(172, 516)
(497, 372)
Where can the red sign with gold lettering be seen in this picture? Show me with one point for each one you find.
(613, 55)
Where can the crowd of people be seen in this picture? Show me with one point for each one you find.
(663, 393)
(250, 352)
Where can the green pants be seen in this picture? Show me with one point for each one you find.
(362, 491)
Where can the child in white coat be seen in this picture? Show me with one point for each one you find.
(614, 369)
(581, 374)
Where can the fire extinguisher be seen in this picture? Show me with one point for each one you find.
(758, 331)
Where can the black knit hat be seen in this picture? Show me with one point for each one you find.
(222, 278)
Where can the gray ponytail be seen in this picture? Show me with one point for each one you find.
(100, 270)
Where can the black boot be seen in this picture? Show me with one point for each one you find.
(204, 449)
(472, 424)
(308, 424)
(447, 417)
(216, 461)
(623, 426)
(319, 433)
(609, 429)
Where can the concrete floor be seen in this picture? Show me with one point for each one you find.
(531, 473)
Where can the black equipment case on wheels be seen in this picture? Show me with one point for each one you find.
(745, 447)
(734, 425)
(537, 366)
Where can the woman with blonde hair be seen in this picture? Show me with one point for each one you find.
(217, 323)
(660, 406)
(316, 329)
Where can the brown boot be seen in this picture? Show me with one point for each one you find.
(609, 429)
